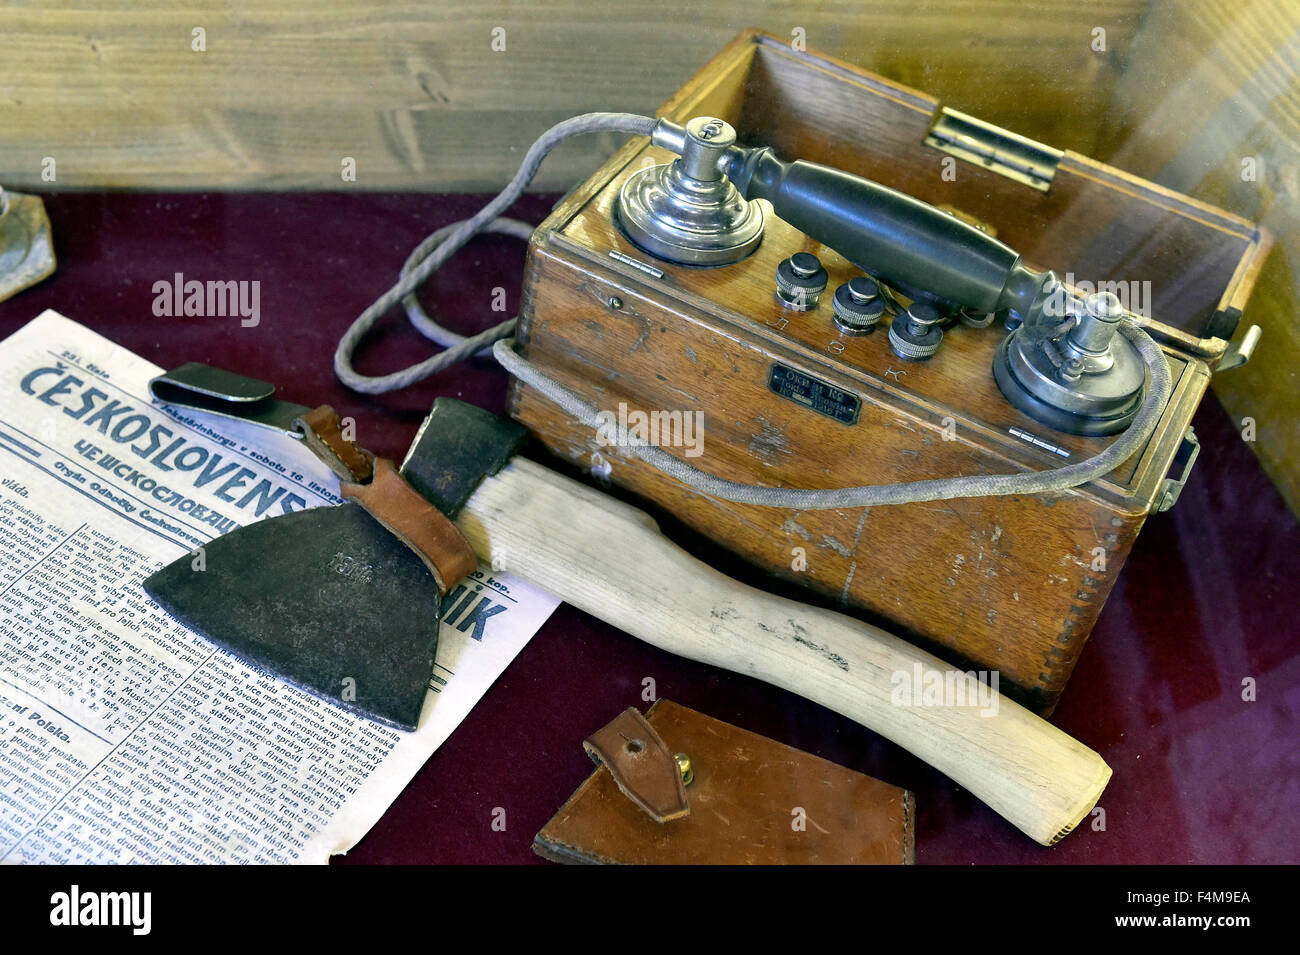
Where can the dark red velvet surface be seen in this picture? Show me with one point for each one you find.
(1207, 599)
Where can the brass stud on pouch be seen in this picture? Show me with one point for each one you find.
(26, 243)
(684, 767)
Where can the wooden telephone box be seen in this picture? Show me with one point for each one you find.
(1012, 584)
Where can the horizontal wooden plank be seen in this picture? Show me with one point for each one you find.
(418, 96)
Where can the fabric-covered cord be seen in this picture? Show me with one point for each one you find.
(909, 492)
(415, 311)
(430, 255)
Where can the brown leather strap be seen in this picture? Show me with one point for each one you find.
(753, 801)
(415, 522)
(642, 764)
(323, 433)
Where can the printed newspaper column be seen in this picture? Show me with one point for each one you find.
(124, 737)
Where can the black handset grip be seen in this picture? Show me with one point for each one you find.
(923, 251)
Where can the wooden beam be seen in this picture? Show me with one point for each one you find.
(416, 94)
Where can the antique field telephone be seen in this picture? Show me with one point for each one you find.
(784, 253)
(1062, 364)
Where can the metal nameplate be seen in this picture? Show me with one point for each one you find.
(814, 394)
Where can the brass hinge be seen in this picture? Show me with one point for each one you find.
(994, 148)
(1172, 486)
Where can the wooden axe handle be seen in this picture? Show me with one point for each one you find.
(611, 560)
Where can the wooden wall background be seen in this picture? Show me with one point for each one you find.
(1210, 83)
(415, 93)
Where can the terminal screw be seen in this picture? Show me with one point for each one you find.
(858, 306)
(915, 335)
(800, 281)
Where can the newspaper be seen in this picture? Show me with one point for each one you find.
(125, 737)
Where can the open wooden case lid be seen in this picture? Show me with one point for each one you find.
(1186, 265)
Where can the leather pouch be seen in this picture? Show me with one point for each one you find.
(749, 800)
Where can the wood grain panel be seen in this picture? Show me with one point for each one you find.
(1212, 83)
(415, 93)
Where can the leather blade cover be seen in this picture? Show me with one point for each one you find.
(753, 800)
(325, 598)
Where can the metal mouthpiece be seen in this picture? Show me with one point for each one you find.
(688, 211)
(1068, 368)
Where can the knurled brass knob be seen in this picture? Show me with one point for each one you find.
(800, 281)
(915, 335)
(857, 306)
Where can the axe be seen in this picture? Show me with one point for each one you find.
(330, 595)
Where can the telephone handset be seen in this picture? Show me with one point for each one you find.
(1077, 365)
(1063, 364)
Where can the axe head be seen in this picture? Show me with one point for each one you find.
(328, 599)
